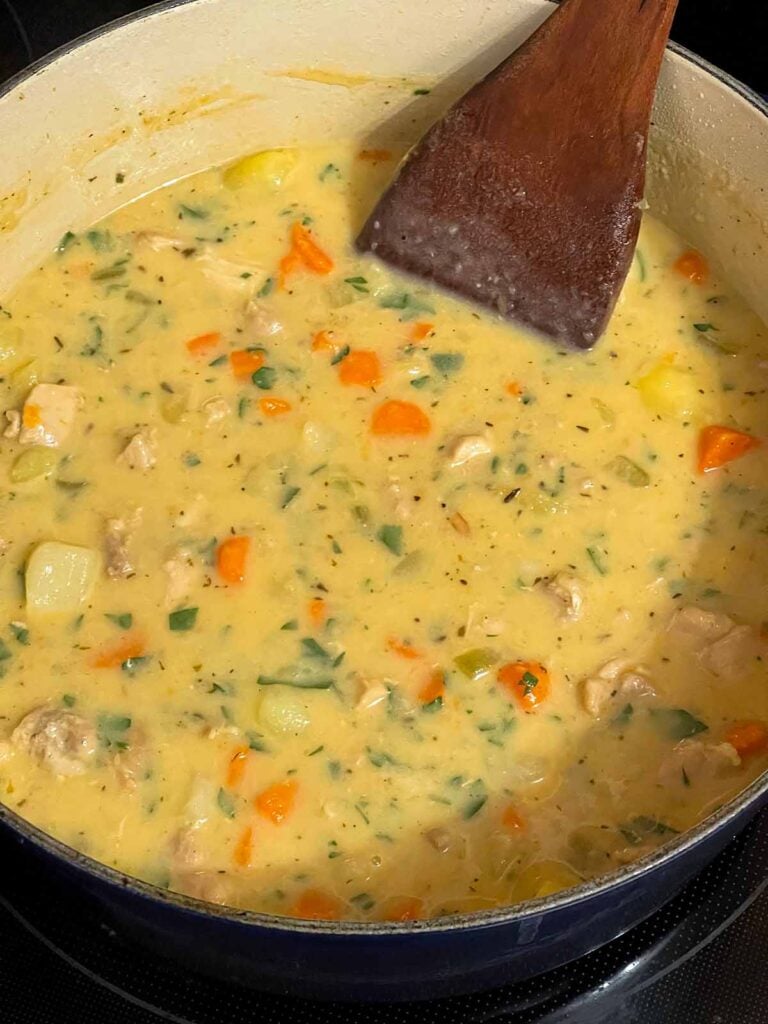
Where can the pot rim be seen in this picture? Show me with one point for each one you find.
(630, 873)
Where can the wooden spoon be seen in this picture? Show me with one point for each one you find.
(524, 197)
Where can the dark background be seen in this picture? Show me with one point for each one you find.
(732, 34)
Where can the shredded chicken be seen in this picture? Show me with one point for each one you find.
(734, 653)
(210, 886)
(58, 740)
(566, 590)
(215, 410)
(370, 694)
(259, 322)
(444, 841)
(182, 576)
(616, 680)
(694, 761)
(49, 415)
(192, 513)
(13, 416)
(118, 534)
(141, 451)
(700, 624)
(159, 242)
(465, 449)
(131, 764)
(228, 274)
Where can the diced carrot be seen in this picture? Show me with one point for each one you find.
(748, 738)
(304, 252)
(399, 419)
(513, 388)
(203, 343)
(244, 362)
(236, 766)
(129, 646)
(433, 688)
(404, 908)
(276, 802)
(527, 681)
(30, 416)
(691, 264)
(404, 650)
(511, 820)
(719, 445)
(361, 368)
(274, 406)
(374, 155)
(323, 341)
(420, 331)
(317, 612)
(231, 558)
(243, 848)
(315, 905)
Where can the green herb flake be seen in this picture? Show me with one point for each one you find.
(265, 377)
(226, 803)
(123, 620)
(5, 652)
(288, 495)
(242, 407)
(628, 471)
(392, 538)
(68, 700)
(131, 666)
(341, 354)
(20, 633)
(360, 284)
(312, 649)
(111, 731)
(677, 723)
(329, 171)
(409, 306)
(65, 241)
(447, 362)
(192, 212)
(266, 288)
(182, 620)
(597, 558)
(640, 828)
(290, 625)
(297, 682)
(363, 901)
(191, 459)
(476, 801)
(420, 382)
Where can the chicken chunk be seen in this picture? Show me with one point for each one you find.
(13, 417)
(58, 740)
(566, 590)
(467, 448)
(228, 274)
(259, 322)
(700, 624)
(694, 761)
(159, 242)
(371, 693)
(182, 574)
(118, 534)
(210, 886)
(734, 653)
(616, 680)
(49, 415)
(141, 451)
(132, 763)
(215, 410)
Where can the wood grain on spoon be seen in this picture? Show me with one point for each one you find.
(524, 197)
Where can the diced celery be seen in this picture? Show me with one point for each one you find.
(476, 662)
(33, 463)
(60, 577)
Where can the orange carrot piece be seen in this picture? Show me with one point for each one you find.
(511, 820)
(374, 156)
(317, 612)
(129, 646)
(527, 681)
(399, 419)
(288, 264)
(404, 650)
(360, 368)
(243, 848)
(691, 264)
(231, 559)
(315, 905)
(420, 331)
(513, 388)
(276, 802)
(274, 406)
(309, 252)
(244, 363)
(30, 416)
(323, 341)
(404, 908)
(748, 738)
(719, 445)
(236, 766)
(203, 343)
(433, 688)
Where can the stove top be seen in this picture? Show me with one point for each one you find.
(697, 961)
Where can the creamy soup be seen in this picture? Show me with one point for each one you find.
(327, 595)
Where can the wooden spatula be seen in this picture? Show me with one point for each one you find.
(524, 197)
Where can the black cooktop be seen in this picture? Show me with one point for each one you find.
(700, 960)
